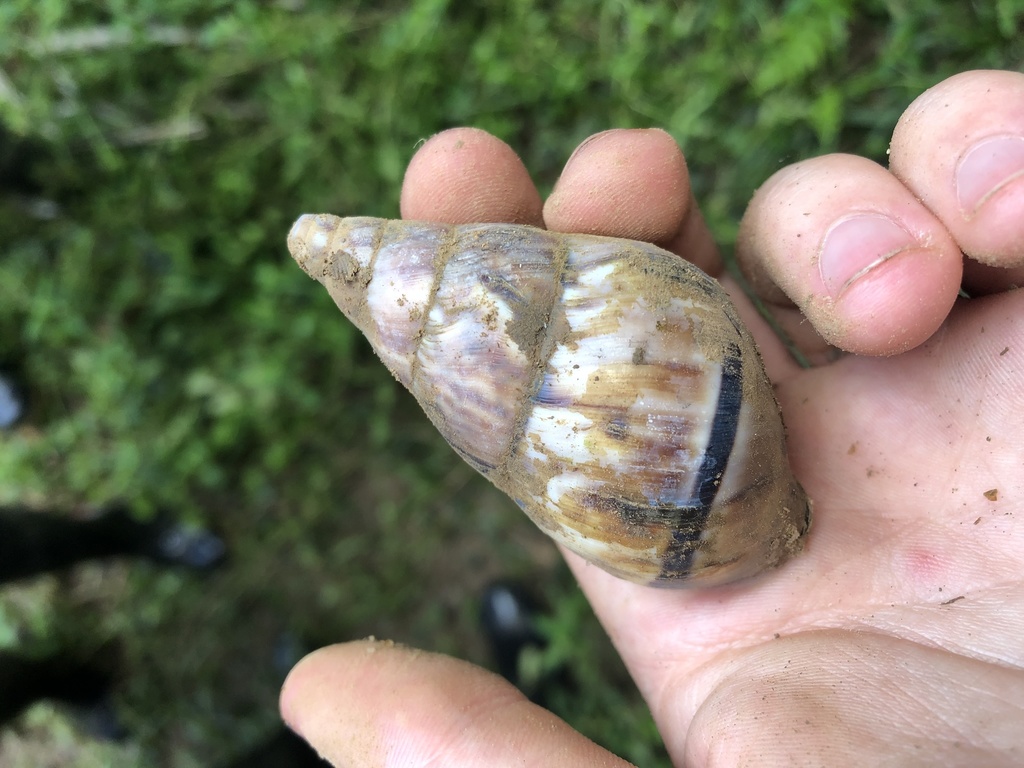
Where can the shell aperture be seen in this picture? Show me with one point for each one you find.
(606, 385)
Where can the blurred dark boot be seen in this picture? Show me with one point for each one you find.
(12, 400)
(166, 541)
(61, 677)
(508, 618)
(38, 542)
(282, 750)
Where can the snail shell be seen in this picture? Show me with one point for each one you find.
(606, 385)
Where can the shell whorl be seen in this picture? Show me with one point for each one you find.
(606, 385)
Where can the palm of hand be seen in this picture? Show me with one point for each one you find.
(895, 638)
(909, 565)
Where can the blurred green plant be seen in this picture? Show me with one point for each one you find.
(152, 157)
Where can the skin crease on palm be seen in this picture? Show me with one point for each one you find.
(897, 637)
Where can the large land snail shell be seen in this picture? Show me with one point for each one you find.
(606, 385)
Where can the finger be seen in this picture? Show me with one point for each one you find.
(632, 184)
(373, 703)
(839, 237)
(959, 147)
(635, 184)
(852, 699)
(465, 175)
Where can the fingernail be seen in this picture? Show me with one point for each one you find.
(987, 167)
(856, 245)
(554, 201)
(588, 143)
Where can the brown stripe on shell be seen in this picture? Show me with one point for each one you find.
(761, 514)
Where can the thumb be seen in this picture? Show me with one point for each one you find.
(375, 703)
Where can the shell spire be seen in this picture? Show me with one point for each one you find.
(605, 385)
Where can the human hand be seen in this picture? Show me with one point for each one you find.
(895, 638)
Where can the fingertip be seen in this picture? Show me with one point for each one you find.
(959, 147)
(882, 286)
(629, 183)
(466, 175)
(372, 703)
(297, 697)
(840, 238)
(895, 307)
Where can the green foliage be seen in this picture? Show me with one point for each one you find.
(594, 702)
(177, 358)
